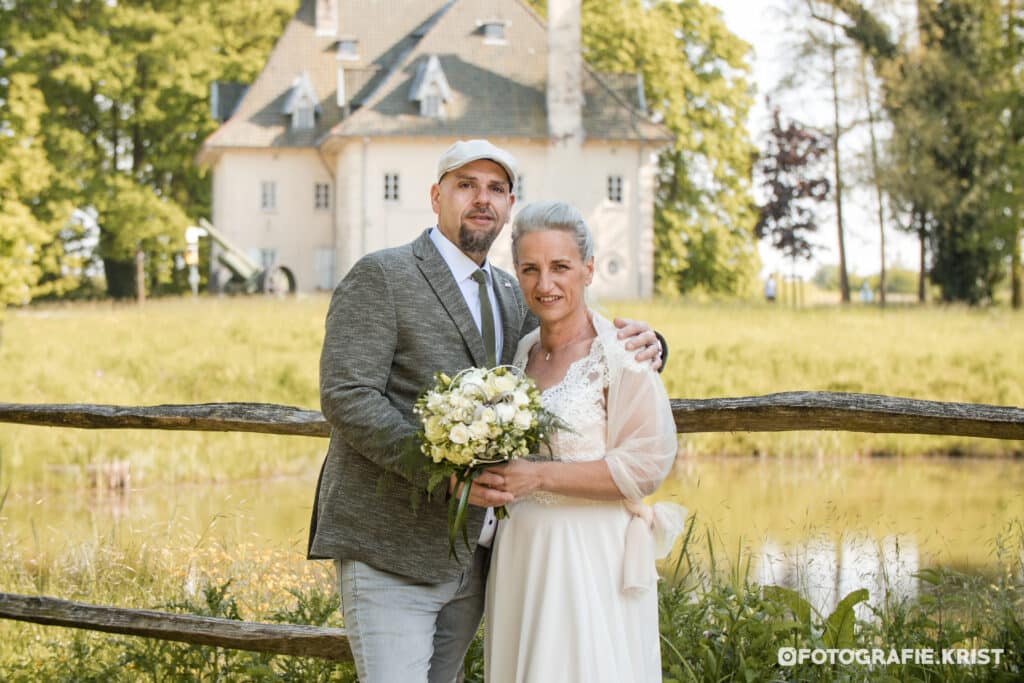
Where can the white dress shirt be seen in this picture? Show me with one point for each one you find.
(462, 268)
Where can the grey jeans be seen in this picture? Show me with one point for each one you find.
(401, 630)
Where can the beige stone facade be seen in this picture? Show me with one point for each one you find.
(315, 198)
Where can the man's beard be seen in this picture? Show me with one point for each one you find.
(476, 241)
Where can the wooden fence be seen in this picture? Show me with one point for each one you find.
(805, 410)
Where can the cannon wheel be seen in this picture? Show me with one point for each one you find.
(277, 281)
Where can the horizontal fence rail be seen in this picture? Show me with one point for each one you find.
(285, 639)
(836, 411)
(264, 418)
(790, 411)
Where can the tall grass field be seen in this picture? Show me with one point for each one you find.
(717, 623)
(267, 350)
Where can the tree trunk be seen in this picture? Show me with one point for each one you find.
(140, 277)
(844, 283)
(877, 180)
(1018, 231)
(1015, 268)
(922, 237)
(138, 148)
(120, 277)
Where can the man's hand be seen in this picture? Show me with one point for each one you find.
(639, 335)
(484, 492)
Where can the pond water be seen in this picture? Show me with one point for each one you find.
(825, 526)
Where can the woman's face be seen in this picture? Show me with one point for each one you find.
(552, 274)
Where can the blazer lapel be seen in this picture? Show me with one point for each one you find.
(439, 277)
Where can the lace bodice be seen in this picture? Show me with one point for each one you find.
(579, 399)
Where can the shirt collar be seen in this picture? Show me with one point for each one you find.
(461, 265)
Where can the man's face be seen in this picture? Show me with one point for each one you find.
(472, 204)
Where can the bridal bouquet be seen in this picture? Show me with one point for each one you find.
(480, 417)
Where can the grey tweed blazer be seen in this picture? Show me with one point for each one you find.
(395, 319)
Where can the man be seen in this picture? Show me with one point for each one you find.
(399, 316)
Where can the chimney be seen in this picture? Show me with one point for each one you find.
(326, 18)
(564, 92)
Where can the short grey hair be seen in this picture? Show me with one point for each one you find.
(540, 216)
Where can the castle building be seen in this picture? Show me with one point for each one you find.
(330, 153)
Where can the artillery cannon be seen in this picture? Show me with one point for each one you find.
(247, 276)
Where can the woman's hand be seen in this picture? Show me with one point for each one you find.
(519, 477)
(590, 479)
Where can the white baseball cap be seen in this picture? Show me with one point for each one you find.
(465, 151)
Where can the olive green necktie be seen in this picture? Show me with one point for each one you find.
(486, 317)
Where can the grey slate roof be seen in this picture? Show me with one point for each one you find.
(497, 90)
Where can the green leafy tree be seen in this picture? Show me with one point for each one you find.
(954, 101)
(694, 75)
(24, 174)
(125, 88)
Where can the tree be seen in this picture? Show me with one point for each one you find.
(876, 175)
(953, 100)
(125, 87)
(790, 168)
(694, 77)
(1012, 89)
(24, 174)
(844, 281)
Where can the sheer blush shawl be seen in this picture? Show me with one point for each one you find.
(641, 443)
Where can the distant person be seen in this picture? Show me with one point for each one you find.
(399, 316)
(769, 289)
(866, 295)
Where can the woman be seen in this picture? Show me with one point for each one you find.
(571, 593)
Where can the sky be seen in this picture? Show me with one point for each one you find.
(761, 24)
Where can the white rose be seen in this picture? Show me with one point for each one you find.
(520, 398)
(459, 434)
(487, 414)
(523, 419)
(474, 377)
(479, 430)
(505, 412)
(506, 382)
(490, 387)
(434, 429)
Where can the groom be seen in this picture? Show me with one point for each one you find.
(397, 317)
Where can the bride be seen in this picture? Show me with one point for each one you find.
(571, 593)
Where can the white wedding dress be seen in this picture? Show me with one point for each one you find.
(557, 607)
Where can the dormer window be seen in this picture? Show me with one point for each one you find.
(430, 106)
(302, 104)
(348, 50)
(493, 31)
(430, 88)
(304, 117)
